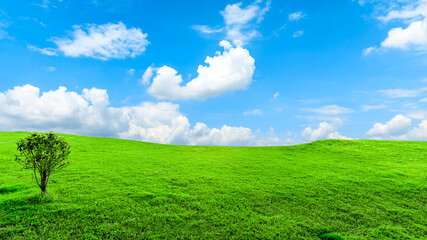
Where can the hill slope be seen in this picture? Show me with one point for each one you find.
(126, 189)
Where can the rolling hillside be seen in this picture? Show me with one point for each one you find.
(119, 189)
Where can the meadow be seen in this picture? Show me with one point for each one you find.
(121, 189)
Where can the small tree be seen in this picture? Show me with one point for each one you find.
(44, 153)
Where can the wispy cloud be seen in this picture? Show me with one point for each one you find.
(329, 109)
(366, 108)
(297, 34)
(104, 42)
(402, 93)
(50, 69)
(131, 71)
(296, 16)
(3, 26)
(207, 29)
(240, 22)
(255, 112)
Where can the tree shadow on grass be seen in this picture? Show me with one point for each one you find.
(11, 189)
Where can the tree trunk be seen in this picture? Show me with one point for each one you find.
(43, 183)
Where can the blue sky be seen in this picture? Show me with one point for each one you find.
(215, 72)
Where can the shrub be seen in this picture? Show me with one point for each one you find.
(44, 153)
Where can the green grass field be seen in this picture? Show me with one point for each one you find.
(119, 189)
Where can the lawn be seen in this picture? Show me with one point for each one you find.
(120, 189)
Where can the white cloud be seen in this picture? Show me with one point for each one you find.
(413, 14)
(227, 136)
(419, 133)
(366, 108)
(414, 35)
(296, 16)
(24, 108)
(402, 93)
(228, 71)
(329, 109)
(297, 34)
(418, 114)
(369, 50)
(4, 24)
(4, 35)
(396, 126)
(399, 128)
(43, 4)
(45, 51)
(276, 95)
(412, 11)
(148, 74)
(324, 130)
(50, 69)
(254, 112)
(107, 41)
(206, 29)
(240, 22)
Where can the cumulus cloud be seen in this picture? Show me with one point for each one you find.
(396, 126)
(228, 71)
(399, 128)
(25, 108)
(414, 35)
(240, 22)
(107, 41)
(324, 130)
(413, 14)
(296, 16)
(329, 109)
(419, 133)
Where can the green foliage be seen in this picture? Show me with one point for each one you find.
(119, 189)
(44, 153)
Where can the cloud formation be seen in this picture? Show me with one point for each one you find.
(396, 126)
(403, 93)
(324, 130)
(3, 25)
(399, 128)
(413, 14)
(229, 70)
(329, 110)
(240, 22)
(25, 108)
(104, 42)
(296, 16)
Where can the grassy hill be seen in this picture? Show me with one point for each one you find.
(123, 189)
